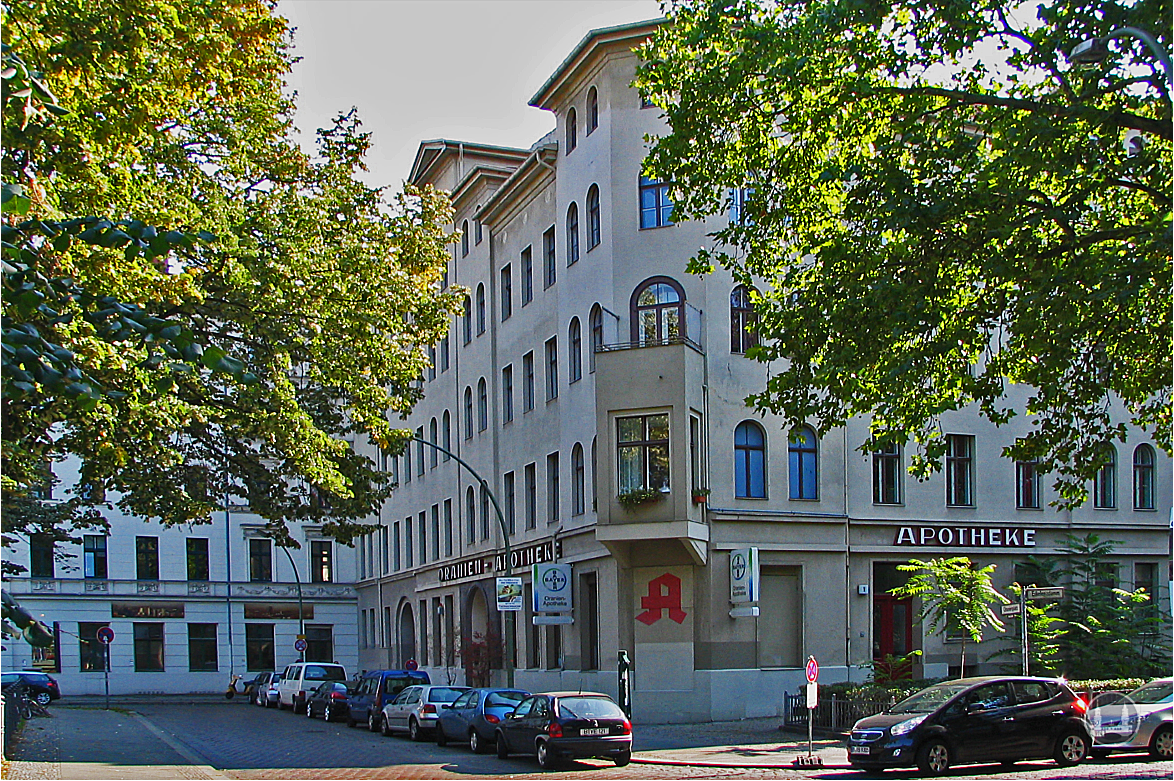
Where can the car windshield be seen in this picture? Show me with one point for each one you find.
(929, 700)
(316, 672)
(1153, 692)
(504, 698)
(588, 708)
(444, 694)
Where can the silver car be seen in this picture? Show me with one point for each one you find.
(1139, 721)
(265, 693)
(416, 709)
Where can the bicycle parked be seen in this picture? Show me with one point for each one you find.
(25, 703)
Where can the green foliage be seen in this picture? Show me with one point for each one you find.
(633, 499)
(941, 208)
(1043, 634)
(953, 594)
(891, 668)
(242, 311)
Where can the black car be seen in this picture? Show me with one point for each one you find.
(972, 720)
(41, 687)
(558, 725)
(331, 701)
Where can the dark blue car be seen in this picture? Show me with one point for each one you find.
(474, 717)
(377, 688)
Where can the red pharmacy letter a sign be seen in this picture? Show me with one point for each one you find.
(664, 593)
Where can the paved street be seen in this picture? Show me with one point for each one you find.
(170, 740)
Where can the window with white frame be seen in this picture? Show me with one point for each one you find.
(642, 443)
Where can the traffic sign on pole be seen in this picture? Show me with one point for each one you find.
(1050, 592)
(300, 645)
(1012, 609)
(812, 670)
(105, 635)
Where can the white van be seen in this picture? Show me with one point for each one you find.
(301, 678)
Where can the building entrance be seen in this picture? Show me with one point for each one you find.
(892, 620)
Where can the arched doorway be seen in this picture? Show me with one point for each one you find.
(481, 647)
(406, 645)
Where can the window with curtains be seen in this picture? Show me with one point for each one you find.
(749, 461)
(658, 311)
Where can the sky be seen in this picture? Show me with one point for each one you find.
(424, 69)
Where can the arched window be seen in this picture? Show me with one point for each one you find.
(592, 110)
(480, 309)
(596, 333)
(470, 516)
(446, 435)
(594, 228)
(572, 131)
(432, 437)
(658, 311)
(1105, 484)
(576, 357)
(742, 321)
(572, 233)
(1143, 478)
(467, 320)
(803, 458)
(482, 406)
(578, 480)
(594, 476)
(468, 412)
(749, 461)
(465, 239)
(484, 513)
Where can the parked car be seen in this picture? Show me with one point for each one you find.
(415, 709)
(249, 687)
(558, 725)
(474, 716)
(42, 688)
(1139, 721)
(376, 689)
(301, 678)
(330, 701)
(991, 719)
(265, 689)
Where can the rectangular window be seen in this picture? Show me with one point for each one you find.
(643, 452)
(507, 293)
(395, 548)
(527, 276)
(322, 562)
(202, 648)
(197, 558)
(1145, 577)
(507, 394)
(589, 615)
(527, 382)
(444, 354)
(656, 209)
(1026, 485)
(408, 463)
(147, 558)
(886, 475)
(553, 497)
(435, 532)
(422, 530)
(384, 558)
(40, 556)
(320, 643)
(450, 631)
(91, 653)
(959, 470)
(431, 362)
(94, 556)
(148, 648)
(1105, 485)
(420, 451)
(448, 528)
(551, 369)
(739, 198)
(484, 514)
(548, 255)
(260, 561)
(478, 233)
(510, 501)
(531, 496)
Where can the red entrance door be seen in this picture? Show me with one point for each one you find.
(892, 630)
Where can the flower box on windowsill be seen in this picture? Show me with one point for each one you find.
(701, 496)
(633, 499)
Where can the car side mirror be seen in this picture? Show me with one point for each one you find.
(975, 707)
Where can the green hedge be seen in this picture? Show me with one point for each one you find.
(901, 689)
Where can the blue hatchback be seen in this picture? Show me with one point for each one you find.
(474, 716)
(377, 688)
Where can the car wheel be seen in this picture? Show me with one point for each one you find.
(309, 711)
(934, 758)
(503, 748)
(373, 722)
(476, 745)
(1071, 749)
(441, 738)
(623, 758)
(1160, 745)
(42, 698)
(546, 758)
(326, 714)
(414, 731)
(384, 727)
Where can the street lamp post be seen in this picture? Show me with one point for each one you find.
(1094, 50)
(301, 612)
(509, 567)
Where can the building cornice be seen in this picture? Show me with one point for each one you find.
(523, 185)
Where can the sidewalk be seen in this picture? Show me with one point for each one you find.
(752, 743)
(84, 744)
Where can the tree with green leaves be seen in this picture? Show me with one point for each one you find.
(938, 207)
(954, 595)
(195, 308)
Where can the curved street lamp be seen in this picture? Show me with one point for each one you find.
(1095, 50)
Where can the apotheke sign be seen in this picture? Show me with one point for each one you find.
(966, 537)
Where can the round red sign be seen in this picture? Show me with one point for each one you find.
(105, 635)
(812, 670)
(412, 664)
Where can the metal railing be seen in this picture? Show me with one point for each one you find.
(831, 713)
(607, 348)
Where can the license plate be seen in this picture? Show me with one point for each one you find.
(589, 731)
(859, 749)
